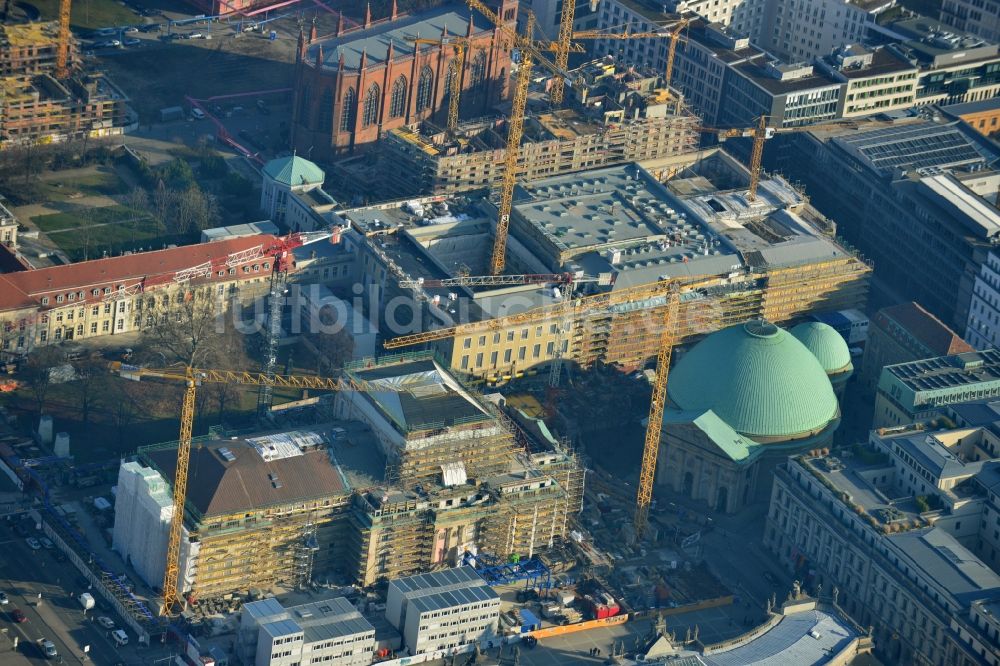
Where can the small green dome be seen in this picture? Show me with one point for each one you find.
(828, 346)
(294, 171)
(759, 379)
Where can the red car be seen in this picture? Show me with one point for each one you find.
(18, 615)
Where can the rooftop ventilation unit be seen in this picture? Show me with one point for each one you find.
(226, 454)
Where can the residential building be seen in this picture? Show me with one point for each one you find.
(983, 329)
(29, 49)
(982, 116)
(261, 511)
(903, 333)
(905, 176)
(978, 17)
(896, 565)
(913, 392)
(41, 108)
(443, 610)
(292, 194)
(619, 116)
(322, 631)
(876, 80)
(353, 86)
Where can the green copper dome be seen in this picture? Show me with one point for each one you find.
(759, 379)
(828, 346)
(294, 171)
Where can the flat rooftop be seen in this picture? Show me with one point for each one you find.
(948, 372)
(29, 34)
(942, 559)
(620, 219)
(920, 145)
(443, 589)
(758, 72)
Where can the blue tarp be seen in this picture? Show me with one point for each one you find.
(528, 621)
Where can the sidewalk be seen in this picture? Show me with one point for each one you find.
(8, 655)
(57, 627)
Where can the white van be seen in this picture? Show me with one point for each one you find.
(197, 113)
(119, 637)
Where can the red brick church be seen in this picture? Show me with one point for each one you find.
(357, 83)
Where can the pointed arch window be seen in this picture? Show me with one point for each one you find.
(424, 88)
(347, 110)
(397, 104)
(479, 69)
(370, 115)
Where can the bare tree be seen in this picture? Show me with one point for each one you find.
(190, 332)
(90, 385)
(36, 373)
(125, 399)
(333, 350)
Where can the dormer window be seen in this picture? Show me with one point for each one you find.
(59, 298)
(45, 300)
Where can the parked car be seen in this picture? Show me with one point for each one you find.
(131, 41)
(47, 543)
(33, 543)
(18, 616)
(130, 29)
(106, 622)
(3, 599)
(150, 27)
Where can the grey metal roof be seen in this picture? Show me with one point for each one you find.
(374, 41)
(452, 598)
(264, 608)
(931, 454)
(979, 217)
(281, 628)
(939, 557)
(790, 642)
(444, 589)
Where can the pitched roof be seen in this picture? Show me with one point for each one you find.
(294, 171)
(924, 327)
(218, 486)
(26, 288)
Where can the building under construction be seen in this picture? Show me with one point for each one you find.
(774, 257)
(28, 49)
(280, 508)
(617, 116)
(42, 108)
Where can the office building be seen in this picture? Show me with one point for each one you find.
(913, 392)
(897, 565)
(983, 329)
(978, 17)
(875, 80)
(326, 631)
(905, 176)
(982, 116)
(443, 610)
(292, 194)
(903, 333)
(353, 86)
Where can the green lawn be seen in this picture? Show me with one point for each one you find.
(93, 184)
(90, 14)
(93, 242)
(88, 216)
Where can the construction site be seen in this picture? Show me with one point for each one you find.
(46, 94)
(618, 116)
(609, 240)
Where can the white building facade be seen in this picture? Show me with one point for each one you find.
(443, 611)
(983, 328)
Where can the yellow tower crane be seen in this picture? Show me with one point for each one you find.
(530, 54)
(62, 45)
(671, 32)
(674, 319)
(461, 46)
(192, 378)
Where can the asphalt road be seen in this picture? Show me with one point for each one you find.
(24, 575)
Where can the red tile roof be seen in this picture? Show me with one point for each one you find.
(925, 328)
(26, 288)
